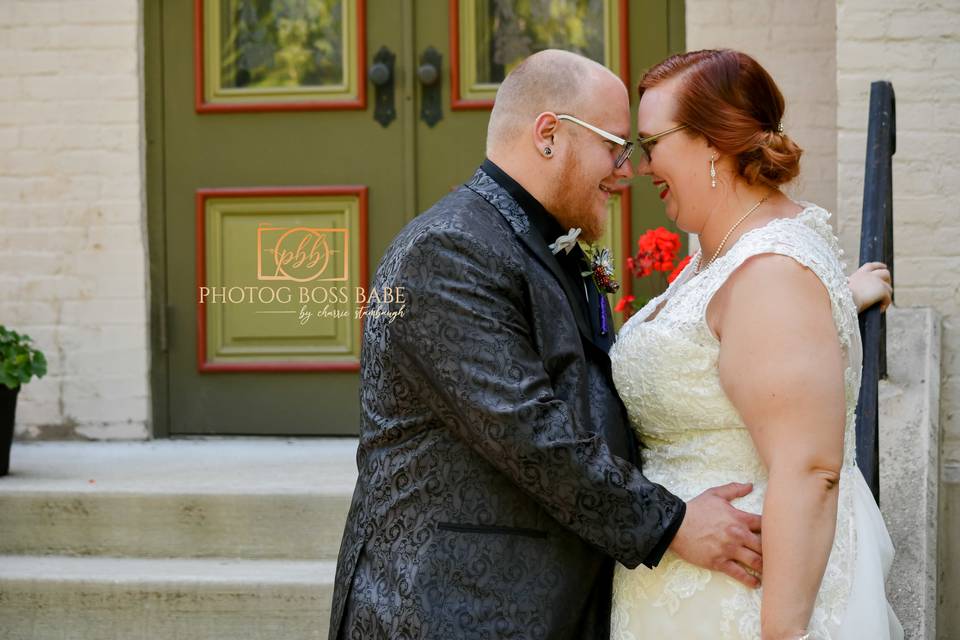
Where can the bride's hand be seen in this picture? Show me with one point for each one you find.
(716, 536)
(870, 284)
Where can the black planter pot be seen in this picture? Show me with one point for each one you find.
(8, 409)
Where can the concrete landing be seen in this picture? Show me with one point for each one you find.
(201, 538)
(209, 465)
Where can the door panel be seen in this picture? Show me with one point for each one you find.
(281, 156)
(284, 307)
(266, 152)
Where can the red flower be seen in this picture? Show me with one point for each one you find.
(656, 251)
(623, 302)
(676, 272)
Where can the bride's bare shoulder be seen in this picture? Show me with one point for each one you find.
(768, 289)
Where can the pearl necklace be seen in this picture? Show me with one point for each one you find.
(726, 237)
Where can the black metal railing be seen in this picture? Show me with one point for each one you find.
(876, 245)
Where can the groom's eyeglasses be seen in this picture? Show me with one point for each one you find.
(648, 143)
(627, 146)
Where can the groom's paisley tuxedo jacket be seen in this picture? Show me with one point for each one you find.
(497, 477)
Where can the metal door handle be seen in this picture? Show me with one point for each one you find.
(428, 74)
(382, 76)
(431, 103)
(379, 74)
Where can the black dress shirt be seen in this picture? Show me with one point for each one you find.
(573, 263)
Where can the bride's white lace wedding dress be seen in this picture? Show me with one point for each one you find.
(665, 369)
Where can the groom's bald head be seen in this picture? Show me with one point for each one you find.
(551, 80)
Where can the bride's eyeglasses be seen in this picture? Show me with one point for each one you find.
(649, 142)
(627, 146)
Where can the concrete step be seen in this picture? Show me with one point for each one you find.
(247, 498)
(67, 598)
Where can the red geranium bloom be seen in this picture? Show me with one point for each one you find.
(676, 272)
(623, 302)
(656, 251)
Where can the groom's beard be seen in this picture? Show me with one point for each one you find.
(575, 200)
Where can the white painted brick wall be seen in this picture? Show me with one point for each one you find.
(795, 42)
(916, 46)
(824, 56)
(72, 250)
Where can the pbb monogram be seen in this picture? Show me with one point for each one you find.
(300, 254)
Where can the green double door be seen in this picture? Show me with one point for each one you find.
(288, 142)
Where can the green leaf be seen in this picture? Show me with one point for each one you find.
(39, 364)
(19, 362)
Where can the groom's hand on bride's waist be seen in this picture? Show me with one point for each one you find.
(716, 536)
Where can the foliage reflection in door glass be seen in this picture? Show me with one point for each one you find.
(510, 30)
(281, 43)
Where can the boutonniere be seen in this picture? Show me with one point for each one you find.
(601, 268)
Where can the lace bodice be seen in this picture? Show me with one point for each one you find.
(665, 370)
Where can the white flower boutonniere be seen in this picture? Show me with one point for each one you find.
(566, 242)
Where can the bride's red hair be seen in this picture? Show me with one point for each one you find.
(729, 99)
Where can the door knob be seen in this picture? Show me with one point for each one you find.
(431, 109)
(381, 75)
(428, 74)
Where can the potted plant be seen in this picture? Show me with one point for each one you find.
(19, 362)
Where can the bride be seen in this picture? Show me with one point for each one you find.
(747, 369)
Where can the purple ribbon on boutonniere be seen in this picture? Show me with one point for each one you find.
(603, 315)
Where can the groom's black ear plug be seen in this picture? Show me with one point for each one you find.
(547, 151)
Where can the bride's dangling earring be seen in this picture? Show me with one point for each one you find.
(713, 171)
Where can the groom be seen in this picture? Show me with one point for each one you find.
(499, 480)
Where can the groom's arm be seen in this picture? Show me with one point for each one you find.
(465, 329)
